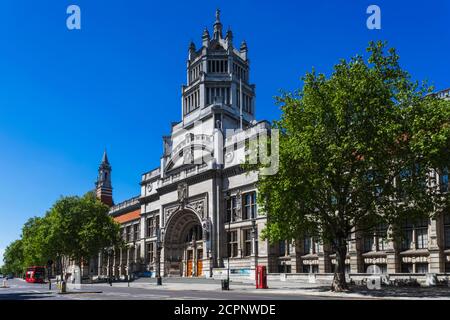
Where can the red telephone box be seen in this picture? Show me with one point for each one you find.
(261, 277)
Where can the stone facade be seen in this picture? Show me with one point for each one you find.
(197, 215)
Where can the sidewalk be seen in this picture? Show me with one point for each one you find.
(303, 289)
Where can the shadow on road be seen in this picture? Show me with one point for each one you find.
(25, 295)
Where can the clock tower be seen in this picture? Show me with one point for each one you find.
(103, 184)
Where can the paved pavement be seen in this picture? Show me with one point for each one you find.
(208, 289)
(172, 289)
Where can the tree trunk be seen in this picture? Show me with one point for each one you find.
(339, 284)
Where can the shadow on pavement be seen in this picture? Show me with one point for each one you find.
(26, 295)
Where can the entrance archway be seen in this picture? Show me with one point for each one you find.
(183, 245)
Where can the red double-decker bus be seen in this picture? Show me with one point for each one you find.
(35, 275)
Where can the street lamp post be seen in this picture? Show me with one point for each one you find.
(227, 287)
(110, 250)
(158, 254)
(233, 215)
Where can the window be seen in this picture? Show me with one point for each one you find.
(407, 268)
(307, 245)
(421, 267)
(218, 66)
(218, 95)
(150, 252)
(381, 237)
(150, 227)
(447, 267)
(128, 237)
(231, 209)
(232, 244)
(284, 268)
(247, 242)
(282, 248)
(122, 233)
(313, 268)
(422, 234)
(136, 232)
(407, 235)
(195, 232)
(443, 180)
(376, 240)
(249, 206)
(368, 242)
(447, 230)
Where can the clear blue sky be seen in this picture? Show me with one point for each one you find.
(66, 95)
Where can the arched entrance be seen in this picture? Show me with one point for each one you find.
(183, 245)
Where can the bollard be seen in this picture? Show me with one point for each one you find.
(5, 284)
(63, 287)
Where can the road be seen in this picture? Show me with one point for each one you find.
(173, 289)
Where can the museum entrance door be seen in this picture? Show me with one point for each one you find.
(183, 245)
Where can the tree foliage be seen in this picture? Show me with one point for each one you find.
(13, 259)
(355, 150)
(74, 229)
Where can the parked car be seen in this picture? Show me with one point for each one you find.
(1, 276)
(9, 276)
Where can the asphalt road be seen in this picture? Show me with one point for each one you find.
(21, 290)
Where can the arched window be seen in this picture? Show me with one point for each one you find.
(195, 232)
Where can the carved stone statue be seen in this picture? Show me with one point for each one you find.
(182, 192)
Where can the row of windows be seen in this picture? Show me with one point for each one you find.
(218, 66)
(247, 105)
(152, 225)
(218, 94)
(249, 207)
(414, 236)
(192, 102)
(240, 72)
(194, 73)
(247, 241)
(195, 233)
(130, 233)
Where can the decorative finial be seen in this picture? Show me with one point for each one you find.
(217, 27)
(206, 33)
(229, 35)
(218, 15)
(243, 46)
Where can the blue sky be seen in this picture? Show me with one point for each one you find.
(115, 84)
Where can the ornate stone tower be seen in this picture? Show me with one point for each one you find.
(218, 81)
(103, 184)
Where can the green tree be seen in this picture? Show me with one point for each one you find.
(13, 259)
(349, 145)
(73, 230)
(37, 241)
(80, 228)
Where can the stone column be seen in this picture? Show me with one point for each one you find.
(128, 262)
(108, 268)
(114, 265)
(100, 264)
(436, 263)
(353, 255)
(392, 257)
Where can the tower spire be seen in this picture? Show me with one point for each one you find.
(217, 26)
(105, 158)
(103, 184)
